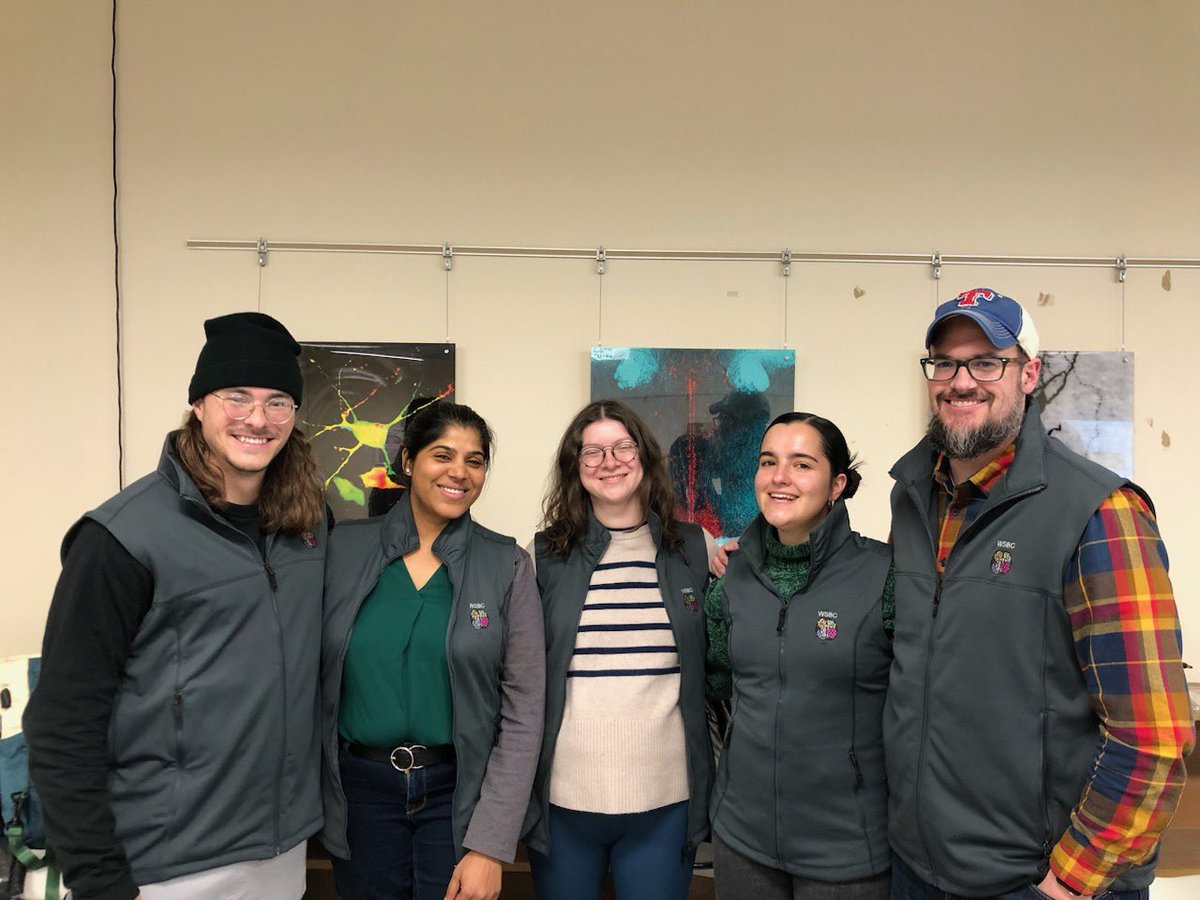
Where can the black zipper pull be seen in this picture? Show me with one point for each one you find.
(177, 705)
(19, 799)
(858, 776)
(782, 617)
(937, 596)
(270, 574)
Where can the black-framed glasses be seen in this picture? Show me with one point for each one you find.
(622, 451)
(239, 407)
(981, 368)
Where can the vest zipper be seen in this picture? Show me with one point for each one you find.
(1044, 756)
(274, 583)
(937, 600)
(858, 775)
(859, 781)
(177, 713)
(923, 516)
(779, 630)
(283, 735)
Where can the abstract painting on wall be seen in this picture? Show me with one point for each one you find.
(356, 400)
(708, 409)
(1087, 403)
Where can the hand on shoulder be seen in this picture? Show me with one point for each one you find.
(719, 561)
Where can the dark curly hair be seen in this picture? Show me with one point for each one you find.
(565, 508)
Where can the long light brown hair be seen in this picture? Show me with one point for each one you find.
(292, 499)
(565, 509)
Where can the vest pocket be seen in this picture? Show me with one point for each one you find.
(1043, 786)
(176, 818)
(721, 782)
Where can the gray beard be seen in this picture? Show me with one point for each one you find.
(975, 441)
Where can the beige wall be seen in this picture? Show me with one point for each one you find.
(1020, 128)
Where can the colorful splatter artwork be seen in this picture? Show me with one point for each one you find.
(708, 409)
(1086, 399)
(356, 398)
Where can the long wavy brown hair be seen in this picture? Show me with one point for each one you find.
(565, 508)
(292, 498)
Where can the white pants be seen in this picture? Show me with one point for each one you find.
(281, 878)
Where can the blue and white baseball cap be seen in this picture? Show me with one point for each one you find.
(1003, 320)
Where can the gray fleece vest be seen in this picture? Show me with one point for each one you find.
(989, 728)
(480, 564)
(563, 583)
(213, 743)
(801, 783)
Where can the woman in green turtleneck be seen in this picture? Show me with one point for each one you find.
(800, 637)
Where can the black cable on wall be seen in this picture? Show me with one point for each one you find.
(117, 263)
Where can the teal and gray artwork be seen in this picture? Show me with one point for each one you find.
(1087, 403)
(708, 410)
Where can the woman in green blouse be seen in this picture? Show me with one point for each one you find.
(433, 680)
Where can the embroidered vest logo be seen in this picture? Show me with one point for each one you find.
(689, 600)
(1001, 562)
(310, 540)
(826, 625)
(479, 616)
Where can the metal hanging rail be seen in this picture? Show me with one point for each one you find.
(602, 255)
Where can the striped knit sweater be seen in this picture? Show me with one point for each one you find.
(621, 748)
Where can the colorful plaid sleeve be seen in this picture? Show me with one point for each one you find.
(1126, 628)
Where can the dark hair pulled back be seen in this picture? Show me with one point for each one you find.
(833, 445)
(430, 422)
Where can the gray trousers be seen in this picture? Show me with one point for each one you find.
(739, 878)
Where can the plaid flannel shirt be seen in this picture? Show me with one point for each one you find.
(1118, 597)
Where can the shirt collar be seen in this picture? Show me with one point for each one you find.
(983, 480)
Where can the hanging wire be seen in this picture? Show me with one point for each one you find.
(117, 264)
(1122, 316)
(785, 311)
(599, 309)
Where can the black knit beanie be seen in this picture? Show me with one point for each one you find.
(248, 349)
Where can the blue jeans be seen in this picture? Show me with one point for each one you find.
(906, 885)
(645, 851)
(399, 833)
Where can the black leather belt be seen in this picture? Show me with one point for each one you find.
(406, 757)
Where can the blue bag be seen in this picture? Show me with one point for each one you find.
(16, 684)
(21, 823)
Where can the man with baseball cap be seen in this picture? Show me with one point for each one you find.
(172, 735)
(1037, 714)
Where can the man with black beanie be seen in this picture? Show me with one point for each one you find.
(172, 734)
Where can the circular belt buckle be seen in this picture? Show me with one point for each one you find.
(412, 759)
